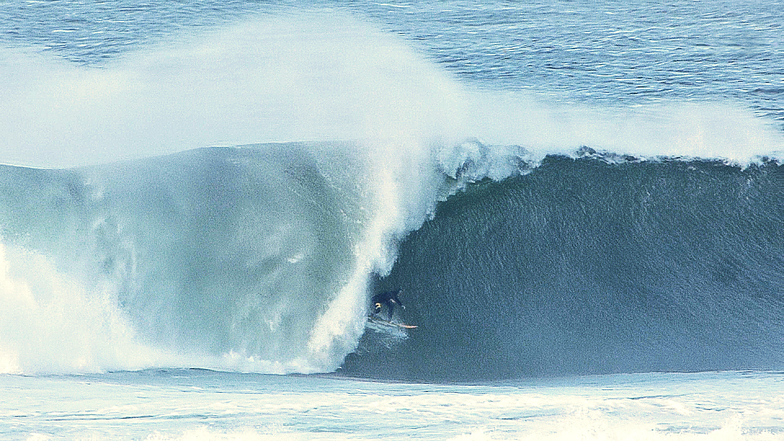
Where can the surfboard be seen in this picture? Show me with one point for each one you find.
(380, 321)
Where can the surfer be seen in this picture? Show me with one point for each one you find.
(388, 299)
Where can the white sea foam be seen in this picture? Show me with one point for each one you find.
(709, 130)
(51, 323)
(199, 406)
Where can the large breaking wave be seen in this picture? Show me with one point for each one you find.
(554, 259)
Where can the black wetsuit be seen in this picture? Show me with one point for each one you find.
(389, 299)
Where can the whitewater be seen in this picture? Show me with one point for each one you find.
(583, 206)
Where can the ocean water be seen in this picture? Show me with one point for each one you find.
(583, 205)
(207, 405)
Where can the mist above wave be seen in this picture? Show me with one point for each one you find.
(310, 76)
(322, 76)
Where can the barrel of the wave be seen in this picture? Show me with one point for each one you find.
(594, 265)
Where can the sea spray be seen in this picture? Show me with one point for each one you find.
(306, 76)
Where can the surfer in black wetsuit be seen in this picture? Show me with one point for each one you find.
(388, 299)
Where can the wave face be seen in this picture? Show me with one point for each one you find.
(593, 265)
(252, 258)
(262, 258)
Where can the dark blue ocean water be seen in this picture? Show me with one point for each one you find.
(571, 196)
